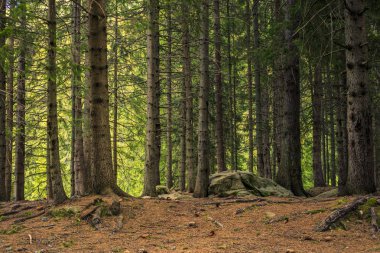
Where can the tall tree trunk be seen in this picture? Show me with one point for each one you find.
(317, 130)
(59, 194)
(9, 119)
(220, 152)
(20, 113)
(341, 119)
(250, 86)
(278, 91)
(115, 94)
(186, 69)
(104, 180)
(266, 133)
(259, 121)
(87, 132)
(169, 162)
(331, 127)
(230, 91)
(3, 149)
(80, 170)
(152, 157)
(201, 186)
(360, 140)
(377, 146)
(290, 174)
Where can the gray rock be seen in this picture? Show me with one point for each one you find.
(243, 183)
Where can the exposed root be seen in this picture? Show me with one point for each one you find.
(340, 213)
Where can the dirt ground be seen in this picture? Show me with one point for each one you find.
(191, 225)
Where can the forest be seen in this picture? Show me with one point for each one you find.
(120, 116)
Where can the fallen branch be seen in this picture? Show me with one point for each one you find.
(29, 217)
(17, 211)
(340, 213)
(375, 227)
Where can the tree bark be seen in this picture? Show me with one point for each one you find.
(220, 151)
(201, 186)
(169, 161)
(59, 194)
(359, 120)
(250, 86)
(186, 69)
(3, 148)
(290, 174)
(20, 113)
(317, 131)
(10, 114)
(80, 170)
(115, 95)
(278, 90)
(99, 104)
(332, 127)
(258, 97)
(341, 119)
(152, 157)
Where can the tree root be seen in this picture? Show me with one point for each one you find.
(340, 213)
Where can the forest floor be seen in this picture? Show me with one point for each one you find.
(186, 225)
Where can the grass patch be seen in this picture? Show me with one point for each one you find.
(66, 212)
(13, 230)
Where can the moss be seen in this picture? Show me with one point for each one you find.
(315, 211)
(68, 244)
(13, 230)
(66, 212)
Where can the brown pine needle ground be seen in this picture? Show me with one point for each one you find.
(269, 225)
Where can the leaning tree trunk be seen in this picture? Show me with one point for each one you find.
(317, 123)
(290, 174)
(220, 151)
(186, 69)
(59, 194)
(20, 113)
(359, 121)
(3, 149)
(152, 157)
(201, 186)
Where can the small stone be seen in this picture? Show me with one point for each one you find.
(142, 251)
(192, 224)
(127, 251)
(270, 215)
(44, 218)
(211, 233)
(8, 248)
(239, 211)
(290, 251)
(328, 239)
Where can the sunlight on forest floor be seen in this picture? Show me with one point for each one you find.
(188, 225)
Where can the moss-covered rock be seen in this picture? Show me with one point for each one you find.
(243, 183)
(329, 194)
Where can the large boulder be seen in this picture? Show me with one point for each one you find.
(241, 183)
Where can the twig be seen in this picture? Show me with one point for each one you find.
(29, 217)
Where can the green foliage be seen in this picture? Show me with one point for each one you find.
(13, 230)
(66, 212)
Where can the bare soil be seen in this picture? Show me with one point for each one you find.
(191, 225)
